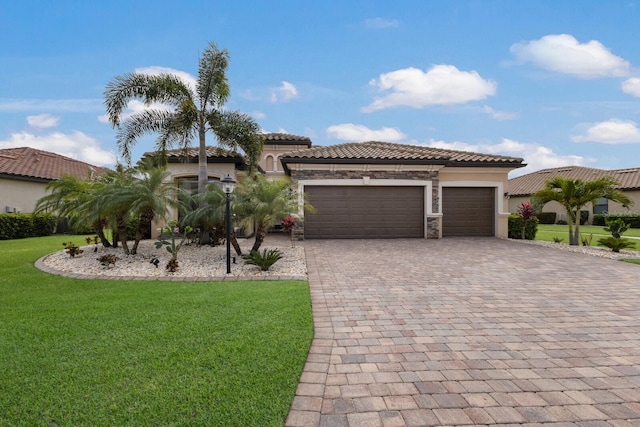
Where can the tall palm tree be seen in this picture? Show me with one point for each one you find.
(74, 198)
(192, 112)
(574, 194)
(264, 204)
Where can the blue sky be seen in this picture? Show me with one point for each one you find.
(555, 82)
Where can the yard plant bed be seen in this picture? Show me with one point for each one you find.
(105, 352)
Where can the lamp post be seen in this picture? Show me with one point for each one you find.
(228, 184)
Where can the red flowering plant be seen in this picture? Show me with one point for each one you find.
(526, 212)
(288, 225)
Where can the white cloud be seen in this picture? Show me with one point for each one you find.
(536, 156)
(612, 131)
(155, 70)
(283, 93)
(76, 145)
(632, 86)
(499, 115)
(259, 115)
(43, 121)
(562, 53)
(74, 105)
(441, 85)
(353, 132)
(381, 23)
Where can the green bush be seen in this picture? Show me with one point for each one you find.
(546, 217)
(584, 217)
(632, 219)
(561, 222)
(264, 260)
(515, 227)
(19, 226)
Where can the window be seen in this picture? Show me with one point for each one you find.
(270, 164)
(601, 206)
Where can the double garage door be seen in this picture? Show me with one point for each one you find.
(364, 212)
(371, 212)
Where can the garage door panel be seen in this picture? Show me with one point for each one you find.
(365, 212)
(468, 211)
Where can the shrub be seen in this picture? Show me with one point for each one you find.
(546, 217)
(21, 225)
(264, 260)
(72, 249)
(584, 217)
(557, 239)
(516, 224)
(616, 227)
(632, 219)
(107, 260)
(616, 243)
(561, 222)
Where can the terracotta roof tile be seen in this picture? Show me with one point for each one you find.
(178, 155)
(386, 151)
(29, 162)
(525, 185)
(286, 138)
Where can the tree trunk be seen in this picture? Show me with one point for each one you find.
(574, 229)
(98, 228)
(122, 233)
(203, 178)
(234, 242)
(143, 225)
(261, 232)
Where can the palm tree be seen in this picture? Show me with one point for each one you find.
(148, 198)
(109, 200)
(192, 112)
(74, 198)
(573, 194)
(264, 204)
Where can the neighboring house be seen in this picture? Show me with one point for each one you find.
(385, 190)
(521, 188)
(25, 173)
(375, 189)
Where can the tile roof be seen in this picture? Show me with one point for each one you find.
(213, 154)
(389, 152)
(30, 163)
(525, 185)
(286, 138)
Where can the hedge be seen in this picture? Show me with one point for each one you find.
(21, 225)
(632, 219)
(515, 227)
(546, 217)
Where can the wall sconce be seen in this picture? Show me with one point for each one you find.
(507, 195)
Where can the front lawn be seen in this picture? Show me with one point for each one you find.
(547, 232)
(107, 352)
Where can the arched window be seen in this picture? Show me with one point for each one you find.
(270, 163)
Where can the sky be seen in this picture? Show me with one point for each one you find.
(556, 82)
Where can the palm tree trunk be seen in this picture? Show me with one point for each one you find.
(122, 233)
(234, 242)
(98, 228)
(261, 232)
(143, 225)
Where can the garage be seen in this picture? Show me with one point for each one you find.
(365, 212)
(468, 211)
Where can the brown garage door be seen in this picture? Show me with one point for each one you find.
(468, 211)
(365, 212)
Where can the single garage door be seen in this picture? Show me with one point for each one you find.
(364, 212)
(468, 211)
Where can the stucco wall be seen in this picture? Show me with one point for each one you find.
(19, 194)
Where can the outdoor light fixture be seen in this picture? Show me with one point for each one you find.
(228, 184)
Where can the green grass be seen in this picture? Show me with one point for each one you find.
(103, 352)
(548, 232)
(631, 260)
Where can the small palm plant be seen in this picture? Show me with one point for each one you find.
(72, 249)
(615, 242)
(172, 247)
(264, 260)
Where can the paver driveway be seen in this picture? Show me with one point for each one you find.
(469, 331)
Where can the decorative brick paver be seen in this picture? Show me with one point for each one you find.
(482, 331)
